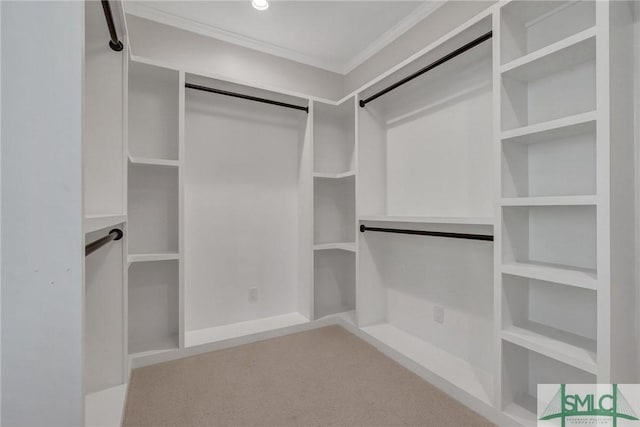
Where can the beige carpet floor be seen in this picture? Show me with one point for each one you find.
(322, 377)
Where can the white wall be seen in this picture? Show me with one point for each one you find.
(637, 138)
(215, 58)
(241, 209)
(42, 297)
(210, 57)
(0, 213)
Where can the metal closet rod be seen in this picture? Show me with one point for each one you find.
(114, 43)
(460, 50)
(484, 237)
(115, 234)
(248, 97)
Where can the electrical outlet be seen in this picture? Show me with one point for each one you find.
(253, 294)
(438, 314)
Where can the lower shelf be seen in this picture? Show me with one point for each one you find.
(565, 347)
(163, 256)
(234, 330)
(158, 345)
(523, 411)
(346, 316)
(105, 408)
(458, 372)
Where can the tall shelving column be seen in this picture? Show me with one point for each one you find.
(155, 191)
(554, 243)
(104, 162)
(334, 209)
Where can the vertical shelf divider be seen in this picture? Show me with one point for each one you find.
(181, 172)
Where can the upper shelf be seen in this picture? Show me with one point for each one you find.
(550, 201)
(579, 277)
(561, 55)
(98, 222)
(153, 162)
(344, 246)
(430, 219)
(552, 129)
(331, 175)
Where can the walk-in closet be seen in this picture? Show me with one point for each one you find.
(451, 185)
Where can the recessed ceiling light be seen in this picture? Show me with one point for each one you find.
(260, 4)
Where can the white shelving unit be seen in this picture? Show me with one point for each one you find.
(153, 307)
(104, 179)
(334, 192)
(557, 277)
(154, 248)
(425, 163)
(527, 137)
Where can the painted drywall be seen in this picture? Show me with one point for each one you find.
(445, 19)
(252, 168)
(0, 214)
(637, 146)
(204, 55)
(42, 296)
(220, 59)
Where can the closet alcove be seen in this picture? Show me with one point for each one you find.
(243, 219)
(425, 163)
(247, 217)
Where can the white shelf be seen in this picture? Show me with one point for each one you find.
(523, 411)
(331, 175)
(98, 222)
(429, 219)
(552, 129)
(105, 408)
(165, 256)
(153, 162)
(234, 330)
(550, 201)
(563, 346)
(345, 246)
(443, 364)
(561, 55)
(147, 347)
(583, 278)
(349, 317)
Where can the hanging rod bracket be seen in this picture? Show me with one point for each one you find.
(466, 236)
(114, 234)
(114, 43)
(116, 46)
(473, 43)
(118, 232)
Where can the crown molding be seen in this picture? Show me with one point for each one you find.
(392, 34)
(153, 14)
(148, 12)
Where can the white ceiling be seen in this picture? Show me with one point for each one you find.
(334, 35)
